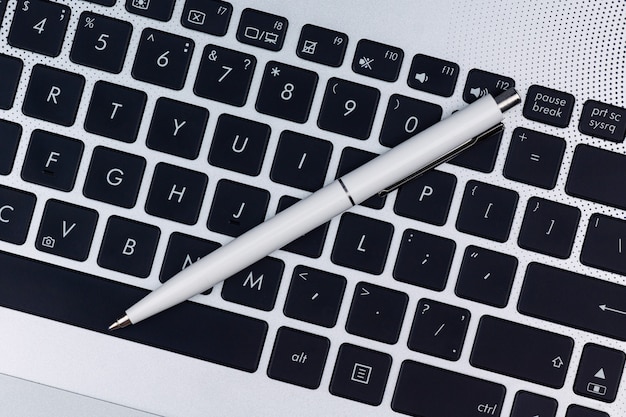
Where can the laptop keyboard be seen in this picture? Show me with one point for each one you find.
(176, 193)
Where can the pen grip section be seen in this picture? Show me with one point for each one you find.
(245, 250)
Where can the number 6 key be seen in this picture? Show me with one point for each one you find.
(163, 59)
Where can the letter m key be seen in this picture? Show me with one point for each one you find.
(253, 282)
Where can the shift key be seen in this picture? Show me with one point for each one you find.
(574, 300)
(502, 346)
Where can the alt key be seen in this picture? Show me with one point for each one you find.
(298, 358)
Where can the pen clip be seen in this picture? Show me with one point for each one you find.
(497, 128)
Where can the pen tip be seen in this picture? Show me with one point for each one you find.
(118, 324)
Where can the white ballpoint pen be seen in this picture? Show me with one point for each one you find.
(412, 157)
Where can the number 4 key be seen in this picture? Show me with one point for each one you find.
(39, 26)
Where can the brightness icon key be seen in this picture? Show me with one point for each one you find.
(159, 10)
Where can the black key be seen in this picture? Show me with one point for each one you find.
(407, 117)
(159, 10)
(10, 133)
(486, 276)
(424, 260)
(286, 92)
(549, 227)
(115, 111)
(237, 208)
(362, 243)
(101, 42)
(579, 411)
(433, 75)
(239, 144)
(298, 358)
(585, 303)
(176, 193)
(439, 329)
(3, 7)
(262, 29)
(603, 121)
(310, 244)
(107, 3)
(377, 60)
(426, 198)
(321, 45)
(360, 374)
(11, 70)
(66, 230)
(114, 177)
(128, 246)
(527, 404)
(502, 346)
(177, 128)
(487, 211)
(479, 83)
(314, 296)
(595, 174)
(376, 313)
(255, 286)
(16, 212)
(534, 158)
(224, 75)
(208, 16)
(605, 244)
(482, 155)
(182, 251)
(348, 108)
(548, 106)
(39, 26)
(87, 301)
(162, 58)
(52, 160)
(301, 161)
(352, 158)
(472, 397)
(53, 95)
(599, 372)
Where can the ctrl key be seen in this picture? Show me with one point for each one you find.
(424, 390)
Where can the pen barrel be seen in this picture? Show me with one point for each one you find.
(245, 250)
(421, 150)
(389, 168)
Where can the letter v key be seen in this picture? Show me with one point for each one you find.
(67, 231)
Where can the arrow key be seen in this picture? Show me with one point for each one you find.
(599, 372)
(527, 404)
